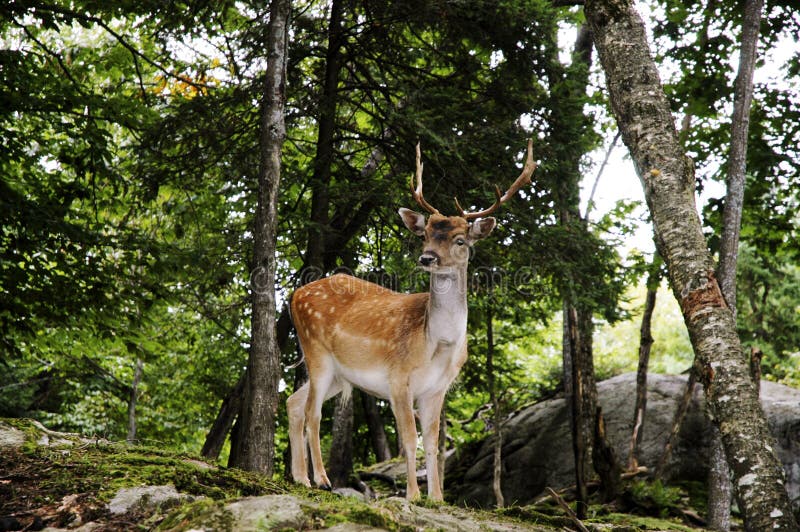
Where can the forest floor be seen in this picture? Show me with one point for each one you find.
(56, 481)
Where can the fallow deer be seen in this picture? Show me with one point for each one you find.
(404, 348)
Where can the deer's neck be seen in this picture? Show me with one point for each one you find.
(447, 309)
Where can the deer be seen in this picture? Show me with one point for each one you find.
(404, 348)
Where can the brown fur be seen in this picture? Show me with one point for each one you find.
(406, 348)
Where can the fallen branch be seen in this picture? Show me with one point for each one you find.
(563, 504)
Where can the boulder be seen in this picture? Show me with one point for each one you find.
(127, 499)
(537, 446)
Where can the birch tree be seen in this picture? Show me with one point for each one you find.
(720, 489)
(643, 115)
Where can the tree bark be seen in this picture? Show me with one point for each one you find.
(737, 163)
(340, 460)
(579, 380)
(720, 489)
(643, 115)
(375, 425)
(582, 402)
(497, 476)
(605, 461)
(137, 378)
(441, 458)
(228, 411)
(319, 219)
(677, 420)
(645, 343)
(755, 367)
(256, 439)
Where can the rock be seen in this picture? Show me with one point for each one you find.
(290, 512)
(127, 499)
(449, 518)
(268, 512)
(353, 527)
(10, 437)
(537, 448)
(350, 492)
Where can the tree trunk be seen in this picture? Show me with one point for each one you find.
(740, 125)
(497, 476)
(441, 458)
(579, 380)
(720, 489)
(256, 438)
(228, 411)
(583, 400)
(677, 420)
(719, 483)
(232, 403)
(755, 367)
(605, 461)
(340, 460)
(319, 222)
(581, 434)
(375, 425)
(233, 456)
(645, 343)
(137, 378)
(643, 115)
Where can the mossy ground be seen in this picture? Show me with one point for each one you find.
(37, 479)
(71, 480)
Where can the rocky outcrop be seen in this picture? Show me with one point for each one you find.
(537, 450)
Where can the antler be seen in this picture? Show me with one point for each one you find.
(523, 179)
(417, 194)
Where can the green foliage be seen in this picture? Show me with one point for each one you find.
(99, 269)
(769, 312)
(655, 496)
(616, 345)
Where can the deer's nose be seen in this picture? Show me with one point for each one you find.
(428, 259)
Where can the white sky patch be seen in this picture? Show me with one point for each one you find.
(496, 58)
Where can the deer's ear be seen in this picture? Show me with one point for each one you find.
(413, 220)
(481, 228)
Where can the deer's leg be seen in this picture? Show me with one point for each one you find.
(430, 409)
(403, 408)
(322, 385)
(296, 411)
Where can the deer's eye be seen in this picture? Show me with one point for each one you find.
(460, 241)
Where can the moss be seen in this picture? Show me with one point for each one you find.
(331, 510)
(536, 516)
(632, 522)
(204, 514)
(103, 468)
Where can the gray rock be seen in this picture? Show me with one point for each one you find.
(10, 436)
(450, 518)
(350, 492)
(269, 512)
(537, 448)
(149, 496)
